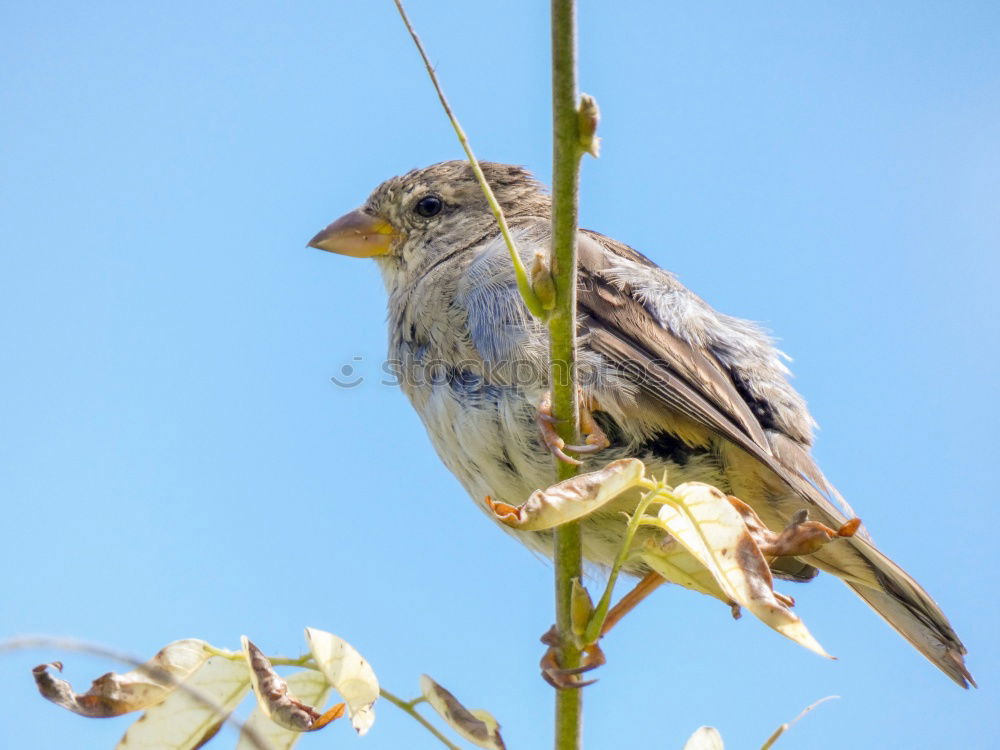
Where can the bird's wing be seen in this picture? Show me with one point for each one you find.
(686, 377)
(690, 377)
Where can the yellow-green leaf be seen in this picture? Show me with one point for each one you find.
(348, 673)
(705, 738)
(184, 721)
(710, 529)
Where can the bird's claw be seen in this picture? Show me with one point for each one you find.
(556, 446)
(594, 438)
(566, 678)
(585, 448)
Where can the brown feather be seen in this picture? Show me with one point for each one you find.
(692, 382)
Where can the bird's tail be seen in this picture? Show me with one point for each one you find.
(902, 603)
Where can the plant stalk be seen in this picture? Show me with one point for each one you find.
(566, 155)
(408, 707)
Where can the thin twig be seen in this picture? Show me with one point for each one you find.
(305, 661)
(523, 283)
(788, 725)
(408, 707)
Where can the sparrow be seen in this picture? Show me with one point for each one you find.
(688, 390)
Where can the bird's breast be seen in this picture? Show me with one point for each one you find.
(485, 433)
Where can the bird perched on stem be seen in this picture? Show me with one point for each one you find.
(666, 379)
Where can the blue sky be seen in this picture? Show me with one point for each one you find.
(175, 461)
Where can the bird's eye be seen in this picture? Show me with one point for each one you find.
(428, 206)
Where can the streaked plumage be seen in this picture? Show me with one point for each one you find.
(680, 386)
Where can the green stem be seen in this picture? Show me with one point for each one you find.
(408, 707)
(305, 660)
(566, 154)
(593, 632)
(531, 300)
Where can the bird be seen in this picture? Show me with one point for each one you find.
(690, 391)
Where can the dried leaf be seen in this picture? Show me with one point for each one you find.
(348, 673)
(116, 694)
(311, 687)
(712, 531)
(185, 721)
(571, 499)
(276, 701)
(705, 738)
(788, 725)
(477, 726)
(800, 537)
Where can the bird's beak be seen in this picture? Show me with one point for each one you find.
(357, 234)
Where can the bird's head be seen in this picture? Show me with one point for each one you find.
(418, 219)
